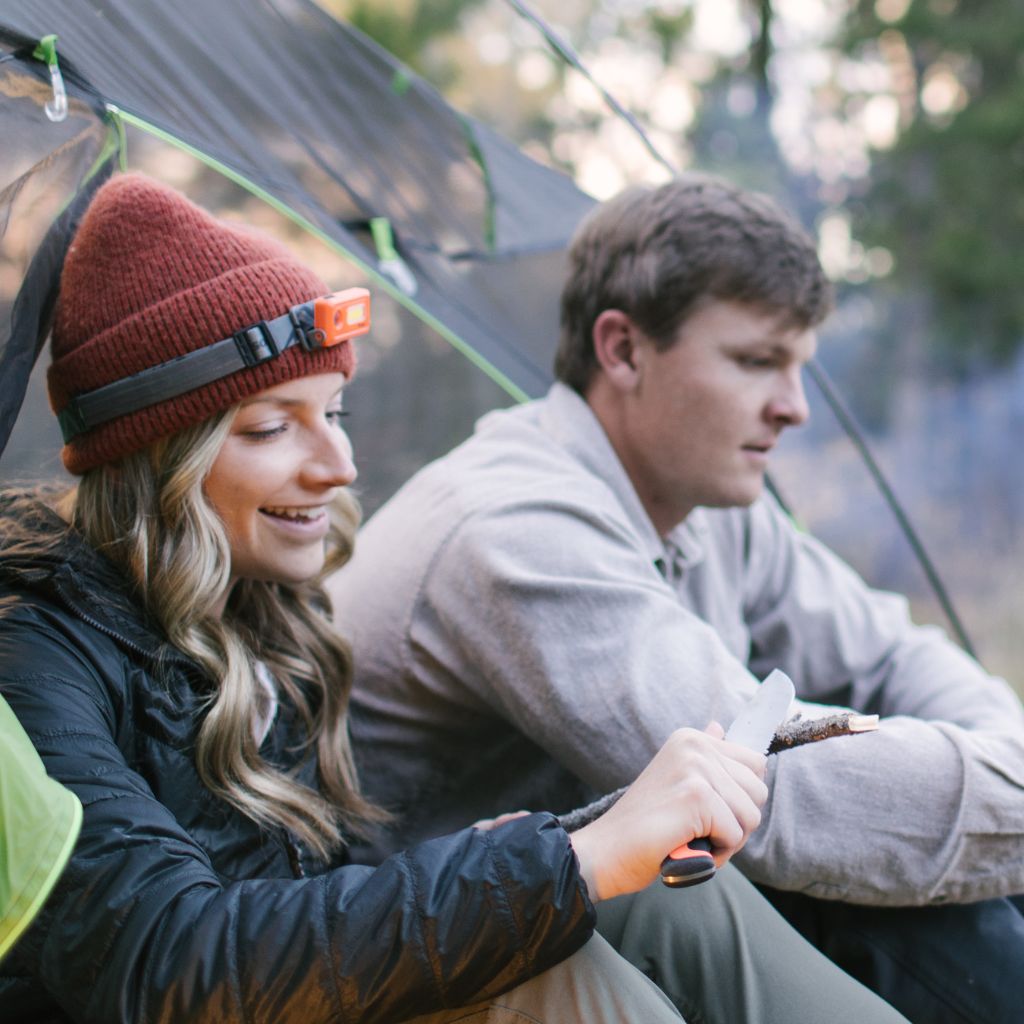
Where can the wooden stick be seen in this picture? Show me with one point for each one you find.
(798, 731)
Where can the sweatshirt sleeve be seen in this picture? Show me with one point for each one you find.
(928, 809)
(141, 927)
(551, 612)
(548, 612)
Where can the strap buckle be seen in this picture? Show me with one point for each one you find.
(256, 343)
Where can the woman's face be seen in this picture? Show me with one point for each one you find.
(284, 460)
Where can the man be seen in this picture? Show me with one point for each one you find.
(534, 612)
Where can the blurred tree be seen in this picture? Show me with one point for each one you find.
(407, 28)
(655, 57)
(947, 197)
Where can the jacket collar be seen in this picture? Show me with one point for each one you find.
(55, 562)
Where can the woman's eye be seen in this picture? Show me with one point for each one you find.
(264, 433)
(335, 416)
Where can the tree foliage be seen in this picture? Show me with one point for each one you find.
(405, 27)
(945, 196)
(947, 199)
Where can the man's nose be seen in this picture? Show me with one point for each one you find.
(788, 406)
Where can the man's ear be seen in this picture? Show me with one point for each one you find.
(615, 347)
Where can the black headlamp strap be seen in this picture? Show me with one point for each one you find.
(249, 347)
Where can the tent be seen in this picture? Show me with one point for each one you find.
(443, 214)
(450, 220)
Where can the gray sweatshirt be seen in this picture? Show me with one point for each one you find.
(524, 639)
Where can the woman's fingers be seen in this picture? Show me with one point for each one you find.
(486, 824)
(715, 730)
(696, 785)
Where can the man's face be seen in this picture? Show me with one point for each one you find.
(699, 426)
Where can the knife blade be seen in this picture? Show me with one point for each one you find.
(753, 728)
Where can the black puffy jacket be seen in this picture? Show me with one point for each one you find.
(174, 906)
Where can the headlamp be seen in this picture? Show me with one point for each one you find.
(321, 323)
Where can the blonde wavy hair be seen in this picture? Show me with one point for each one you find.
(148, 513)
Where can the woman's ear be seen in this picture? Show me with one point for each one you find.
(616, 348)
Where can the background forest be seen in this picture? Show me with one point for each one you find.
(893, 128)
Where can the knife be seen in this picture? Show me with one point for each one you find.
(753, 728)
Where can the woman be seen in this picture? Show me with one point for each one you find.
(164, 642)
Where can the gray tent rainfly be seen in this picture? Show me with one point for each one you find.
(452, 220)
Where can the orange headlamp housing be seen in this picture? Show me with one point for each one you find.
(341, 315)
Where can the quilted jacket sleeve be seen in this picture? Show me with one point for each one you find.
(141, 928)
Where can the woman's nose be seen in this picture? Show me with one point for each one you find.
(332, 464)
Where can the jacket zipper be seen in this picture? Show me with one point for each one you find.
(111, 632)
(294, 851)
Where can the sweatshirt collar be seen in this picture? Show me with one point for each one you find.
(568, 420)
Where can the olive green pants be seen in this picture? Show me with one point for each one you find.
(594, 986)
(718, 951)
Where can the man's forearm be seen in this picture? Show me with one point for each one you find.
(917, 813)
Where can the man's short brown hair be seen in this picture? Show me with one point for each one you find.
(656, 252)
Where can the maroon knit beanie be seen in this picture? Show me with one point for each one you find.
(150, 276)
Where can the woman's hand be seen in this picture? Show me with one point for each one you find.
(486, 824)
(696, 785)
